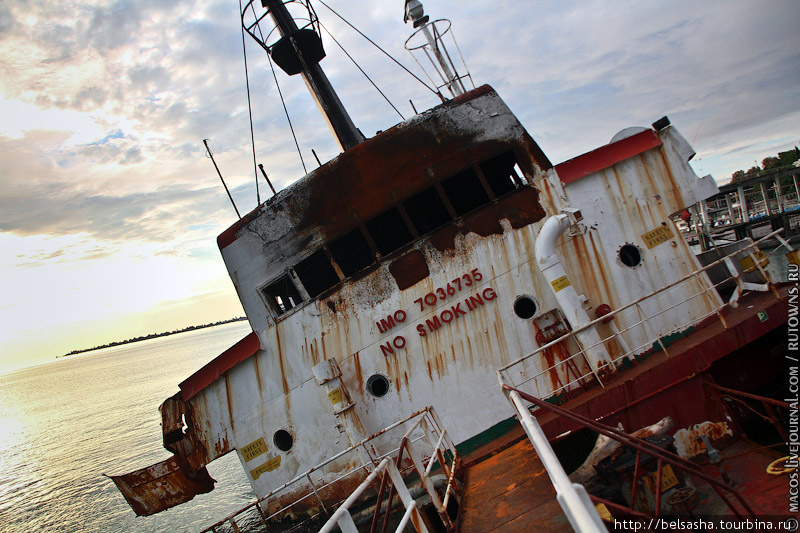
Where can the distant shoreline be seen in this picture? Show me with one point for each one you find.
(153, 336)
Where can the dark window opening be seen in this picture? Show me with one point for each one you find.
(630, 255)
(352, 252)
(525, 307)
(501, 174)
(282, 295)
(378, 385)
(465, 192)
(316, 273)
(389, 231)
(283, 440)
(426, 211)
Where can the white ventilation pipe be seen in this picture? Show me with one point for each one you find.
(570, 302)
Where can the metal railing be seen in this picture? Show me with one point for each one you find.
(656, 340)
(768, 404)
(426, 445)
(576, 504)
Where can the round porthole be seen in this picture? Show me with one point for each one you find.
(378, 385)
(630, 255)
(524, 307)
(283, 440)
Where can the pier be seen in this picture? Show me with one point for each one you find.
(751, 207)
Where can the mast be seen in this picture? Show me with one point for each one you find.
(303, 48)
(432, 45)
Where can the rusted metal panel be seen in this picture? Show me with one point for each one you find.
(435, 141)
(689, 441)
(163, 485)
(409, 269)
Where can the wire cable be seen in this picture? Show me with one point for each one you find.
(373, 43)
(250, 110)
(362, 70)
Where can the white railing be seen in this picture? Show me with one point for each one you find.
(572, 497)
(423, 445)
(656, 341)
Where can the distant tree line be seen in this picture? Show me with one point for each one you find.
(783, 159)
(156, 335)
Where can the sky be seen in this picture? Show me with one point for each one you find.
(109, 206)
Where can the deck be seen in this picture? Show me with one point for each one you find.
(510, 492)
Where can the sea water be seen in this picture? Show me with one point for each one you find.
(65, 425)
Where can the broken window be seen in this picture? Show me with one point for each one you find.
(426, 210)
(282, 295)
(465, 191)
(389, 231)
(352, 252)
(316, 273)
(502, 173)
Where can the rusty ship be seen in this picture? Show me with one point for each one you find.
(433, 295)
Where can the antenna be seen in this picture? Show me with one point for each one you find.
(428, 40)
(211, 156)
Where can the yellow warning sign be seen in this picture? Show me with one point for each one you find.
(668, 479)
(560, 283)
(748, 265)
(254, 449)
(335, 396)
(603, 511)
(269, 466)
(653, 238)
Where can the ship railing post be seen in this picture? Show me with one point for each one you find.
(572, 497)
(314, 489)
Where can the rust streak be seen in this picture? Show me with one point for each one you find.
(357, 365)
(280, 362)
(229, 403)
(257, 372)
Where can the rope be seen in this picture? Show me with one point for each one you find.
(250, 110)
(362, 71)
(434, 91)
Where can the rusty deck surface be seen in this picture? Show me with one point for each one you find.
(510, 492)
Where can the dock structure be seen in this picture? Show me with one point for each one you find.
(746, 208)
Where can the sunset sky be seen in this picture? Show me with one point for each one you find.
(109, 208)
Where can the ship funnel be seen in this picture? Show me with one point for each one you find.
(427, 46)
(298, 50)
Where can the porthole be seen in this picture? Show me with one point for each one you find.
(630, 255)
(377, 385)
(524, 307)
(283, 440)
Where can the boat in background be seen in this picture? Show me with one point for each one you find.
(391, 288)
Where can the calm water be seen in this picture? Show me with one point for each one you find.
(65, 424)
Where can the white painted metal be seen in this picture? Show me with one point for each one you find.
(569, 301)
(342, 516)
(507, 372)
(299, 493)
(743, 204)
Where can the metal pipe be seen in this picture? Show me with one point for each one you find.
(569, 301)
(211, 156)
(344, 508)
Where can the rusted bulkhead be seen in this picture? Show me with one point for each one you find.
(402, 261)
